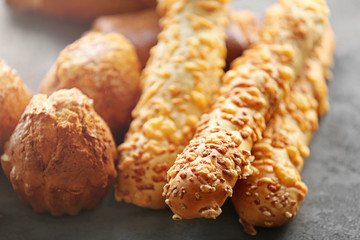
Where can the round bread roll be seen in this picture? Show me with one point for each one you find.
(14, 96)
(141, 28)
(61, 157)
(105, 67)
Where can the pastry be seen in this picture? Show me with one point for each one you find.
(81, 10)
(61, 156)
(142, 28)
(105, 67)
(204, 174)
(178, 84)
(14, 97)
(271, 196)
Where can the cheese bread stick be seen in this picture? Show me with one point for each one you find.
(272, 194)
(205, 173)
(178, 84)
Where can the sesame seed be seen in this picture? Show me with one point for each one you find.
(176, 217)
(288, 215)
(268, 223)
(182, 192)
(267, 213)
(197, 196)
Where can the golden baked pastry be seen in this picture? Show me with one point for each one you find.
(179, 81)
(61, 157)
(220, 153)
(81, 10)
(272, 195)
(14, 96)
(241, 32)
(142, 28)
(105, 68)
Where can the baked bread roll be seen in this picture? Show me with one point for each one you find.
(14, 97)
(142, 28)
(81, 10)
(104, 67)
(220, 153)
(61, 156)
(271, 196)
(178, 84)
(241, 32)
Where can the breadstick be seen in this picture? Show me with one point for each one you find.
(81, 10)
(205, 173)
(142, 28)
(164, 6)
(272, 194)
(178, 83)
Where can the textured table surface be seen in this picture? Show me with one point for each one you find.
(331, 210)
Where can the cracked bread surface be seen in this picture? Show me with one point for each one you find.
(61, 156)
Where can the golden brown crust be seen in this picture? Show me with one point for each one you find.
(61, 157)
(241, 32)
(142, 28)
(219, 154)
(178, 83)
(14, 96)
(104, 67)
(81, 10)
(271, 196)
(324, 55)
(163, 6)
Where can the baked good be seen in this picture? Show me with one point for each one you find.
(61, 157)
(178, 83)
(241, 32)
(81, 10)
(142, 28)
(163, 6)
(272, 195)
(105, 68)
(14, 96)
(220, 152)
